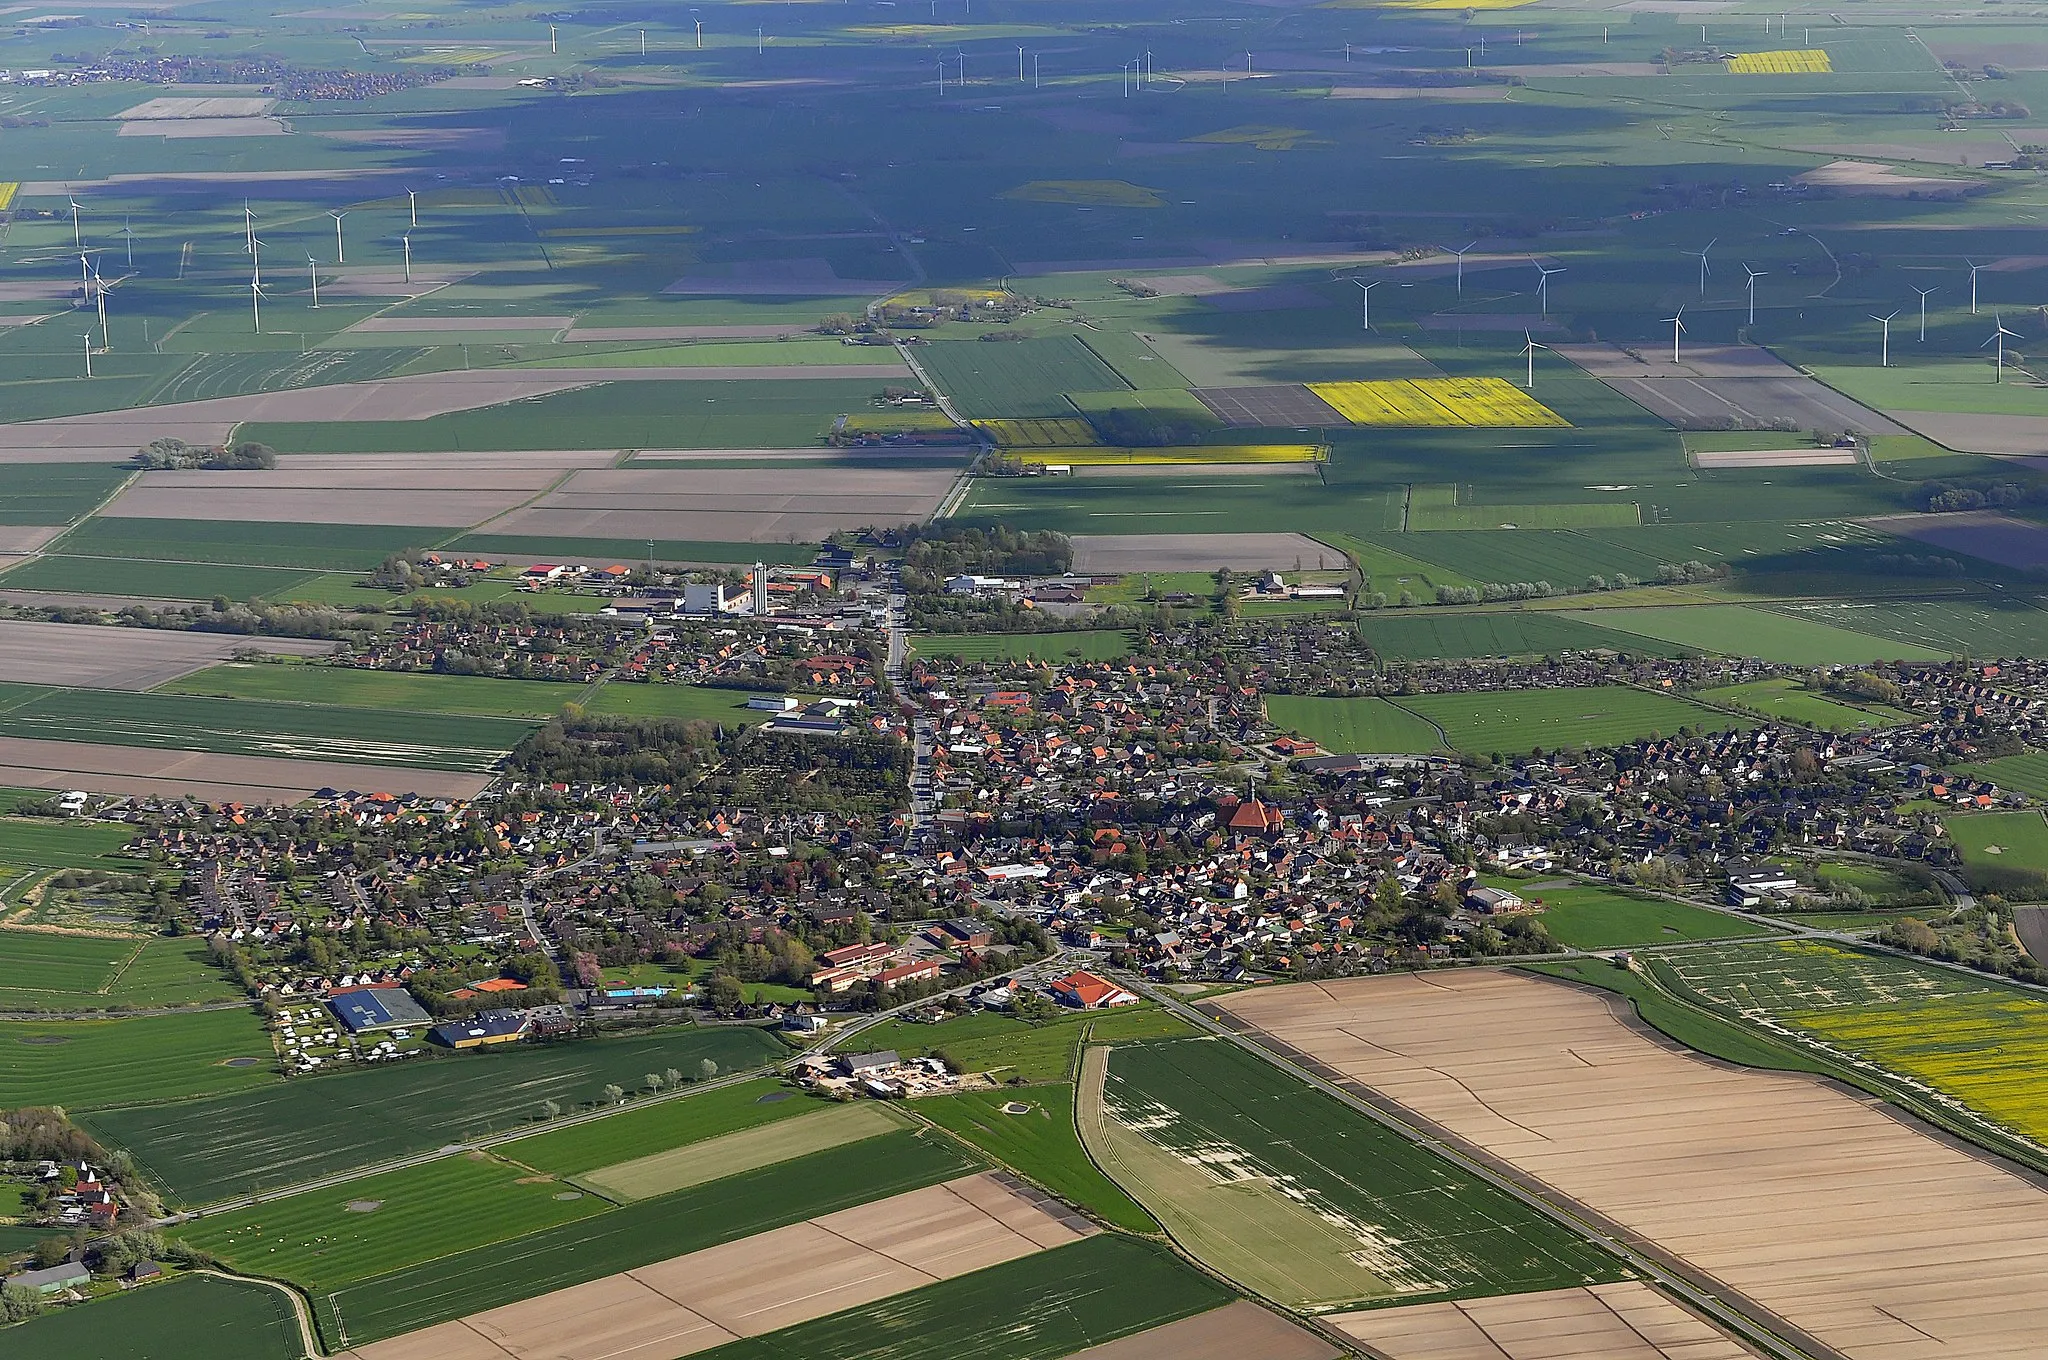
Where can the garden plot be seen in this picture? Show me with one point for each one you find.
(1980, 533)
(126, 658)
(1624, 1321)
(729, 505)
(1862, 1234)
(761, 1283)
(1715, 383)
(33, 763)
(1120, 554)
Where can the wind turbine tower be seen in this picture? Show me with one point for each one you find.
(1543, 273)
(1529, 348)
(1885, 354)
(337, 216)
(1677, 324)
(1461, 263)
(1923, 292)
(1365, 296)
(1706, 269)
(1754, 275)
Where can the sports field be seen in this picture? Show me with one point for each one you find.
(1790, 701)
(636, 1235)
(325, 1239)
(663, 1173)
(1098, 644)
(1522, 719)
(195, 1318)
(1032, 1132)
(1367, 725)
(1587, 916)
(348, 687)
(296, 1131)
(1204, 1135)
(89, 1064)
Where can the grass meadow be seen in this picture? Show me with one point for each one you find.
(1587, 916)
(1521, 719)
(2026, 773)
(1367, 725)
(1040, 1143)
(1789, 701)
(148, 580)
(1450, 634)
(43, 970)
(289, 1132)
(85, 1065)
(1743, 630)
(2010, 840)
(1016, 1051)
(400, 691)
(657, 1127)
(196, 1317)
(39, 844)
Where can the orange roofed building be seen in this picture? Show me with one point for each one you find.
(1087, 992)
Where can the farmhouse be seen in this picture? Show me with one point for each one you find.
(1495, 902)
(1085, 991)
(481, 1030)
(366, 1009)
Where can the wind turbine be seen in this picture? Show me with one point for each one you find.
(1754, 275)
(313, 273)
(1677, 324)
(1706, 270)
(337, 216)
(249, 227)
(84, 277)
(129, 232)
(406, 241)
(412, 203)
(256, 259)
(1461, 263)
(100, 288)
(88, 353)
(1973, 284)
(1529, 348)
(1998, 336)
(1543, 273)
(1365, 295)
(76, 238)
(256, 304)
(1885, 354)
(1923, 292)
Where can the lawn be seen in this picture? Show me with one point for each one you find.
(1521, 719)
(1790, 701)
(257, 727)
(650, 699)
(1365, 1214)
(1367, 725)
(1040, 1143)
(1016, 1051)
(325, 1239)
(639, 1234)
(1049, 1304)
(1095, 644)
(202, 1150)
(89, 1064)
(197, 1317)
(2009, 840)
(1743, 630)
(657, 1127)
(402, 691)
(1586, 916)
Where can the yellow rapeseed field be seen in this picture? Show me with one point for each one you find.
(1086, 193)
(1190, 455)
(1987, 1049)
(1809, 62)
(8, 189)
(1489, 402)
(1052, 433)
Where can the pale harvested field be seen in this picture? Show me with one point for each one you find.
(758, 505)
(187, 496)
(757, 1284)
(1236, 1331)
(748, 1150)
(16, 539)
(80, 655)
(80, 599)
(1861, 177)
(31, 763)
(38, 290)
(2025, 436)
(1868, 1236)
(179, 129)
(1573, 70)
(1716, 382)
(1625, 1321)
(388, 325)
(514, 463)
(1981, 533)
(197, 108)
(760, 332)
(1119, 553)
(1767, 458)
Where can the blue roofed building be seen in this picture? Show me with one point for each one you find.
(364, 1009)
(481, 1030)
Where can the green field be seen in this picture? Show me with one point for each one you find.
(55, 493)
(311, 547)
(1522, 719)
(203, 1150)
(1444, 634)
(1051, 1304)
(325, 1239)
(652, 1230)
(657, 1127)
(1040, 1143)
(2026, 773)
(154, 580)
(1438, 507)
(1743, 630)
(1366, 725)
(42, 970)
(1790, 701)
(398, 691)
(1024, 378)
(257, 727)
(733, 1154)
(1415, 1228)
(649, 699)
(1016, 1051)
(2006, 840)
(1097, 644)
(2006, 625)
(194, 1318)
(39, 844)
(89, 1064)
(1586, 916)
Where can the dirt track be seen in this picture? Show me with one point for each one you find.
(1875, 1239)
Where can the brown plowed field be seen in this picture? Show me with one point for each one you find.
(1626, 1321)
(759, 505)
(122, 658)
(32, 763)
(1825, 1210)
(1236, 1331)
(1118, 553)
(757, 1284)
